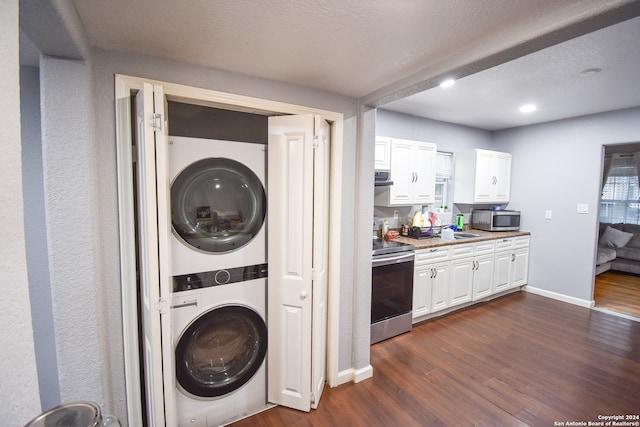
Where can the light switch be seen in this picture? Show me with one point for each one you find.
(583, 208)
(547, 214)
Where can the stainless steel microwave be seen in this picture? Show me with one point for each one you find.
(490, 220)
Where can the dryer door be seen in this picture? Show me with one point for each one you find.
(220, 351)
(217, 205)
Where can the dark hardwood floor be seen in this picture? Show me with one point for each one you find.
(618, 292)
(518, 360)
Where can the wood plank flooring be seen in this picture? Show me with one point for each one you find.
(618, 292)
(520, 360)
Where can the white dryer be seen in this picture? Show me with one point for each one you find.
(220, 345)
(218, 204)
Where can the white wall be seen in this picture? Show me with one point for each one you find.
(557, 165)
(19, 392)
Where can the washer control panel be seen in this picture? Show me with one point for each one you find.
(220, 277)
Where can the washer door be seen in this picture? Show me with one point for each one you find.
(220, 351)
(217, 205)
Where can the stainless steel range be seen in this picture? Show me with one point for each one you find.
(391, 289)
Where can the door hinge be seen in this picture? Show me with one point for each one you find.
(156, 122)
(162, 305)
(316, 144)
(313, 398)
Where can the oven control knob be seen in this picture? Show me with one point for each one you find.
(222, 277)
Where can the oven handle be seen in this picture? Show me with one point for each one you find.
(381, 260)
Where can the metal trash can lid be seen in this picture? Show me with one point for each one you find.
(76, 414)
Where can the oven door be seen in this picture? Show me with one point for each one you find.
(392, 285)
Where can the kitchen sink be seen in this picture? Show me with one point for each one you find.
(464, 235)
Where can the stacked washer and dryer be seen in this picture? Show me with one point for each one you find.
(219, 268)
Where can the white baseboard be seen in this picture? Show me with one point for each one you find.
(355, 375)
(560, 297)
(362, 373)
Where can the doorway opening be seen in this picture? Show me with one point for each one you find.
(617, 280)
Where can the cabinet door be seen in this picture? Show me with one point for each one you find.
(440, 287)
(484, 176)
(461, 281)
(520, 267)
(383, 153)
(483, 276)
(422, 291)
(502, 177)
(402, 172)
(425, 173)
(502, 275)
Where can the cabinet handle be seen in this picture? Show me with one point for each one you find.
(435, 273)
(513, 257)
(417, 176)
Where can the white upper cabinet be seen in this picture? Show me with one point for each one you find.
(413, 172)
(482, 176)
(383, 153)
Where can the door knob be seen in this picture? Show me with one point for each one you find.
(303, 295)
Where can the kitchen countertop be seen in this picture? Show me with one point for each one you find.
(434, 242)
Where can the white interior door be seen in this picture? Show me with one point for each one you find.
(320, 259)
(153, 236)
(297, 241)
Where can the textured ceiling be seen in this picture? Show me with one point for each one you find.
(551, 79)
(349, 47)
(380, 50)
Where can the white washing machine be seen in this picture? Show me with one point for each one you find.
(220, 345)
(218, 264)
(218, 204)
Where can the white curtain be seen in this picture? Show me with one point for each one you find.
(621, 164)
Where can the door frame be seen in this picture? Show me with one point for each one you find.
(124, 87)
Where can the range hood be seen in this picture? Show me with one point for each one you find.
(382, 179)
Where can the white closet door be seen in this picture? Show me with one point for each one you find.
(294, 297)
(153, 248)
(320, 259)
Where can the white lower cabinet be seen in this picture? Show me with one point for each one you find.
(430, 281)
(440, 287)
(471, 272)
(461, 279)
(483, 277)
(511, 263)
(448, 276)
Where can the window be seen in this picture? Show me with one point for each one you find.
(443, 176)
(620, 201)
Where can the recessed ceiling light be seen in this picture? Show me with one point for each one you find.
(590, 72)
(448, 83)
(528, 108)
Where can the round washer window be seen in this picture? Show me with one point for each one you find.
(217, 205)
(221, 351)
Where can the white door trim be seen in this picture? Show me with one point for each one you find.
(124, 85)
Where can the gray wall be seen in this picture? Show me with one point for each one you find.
(19, 391)
(448, 136)
(557, 165)
(35, 231)
(105, 65)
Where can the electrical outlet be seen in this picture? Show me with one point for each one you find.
(548, 214)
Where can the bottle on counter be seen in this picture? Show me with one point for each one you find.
(385, 227)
